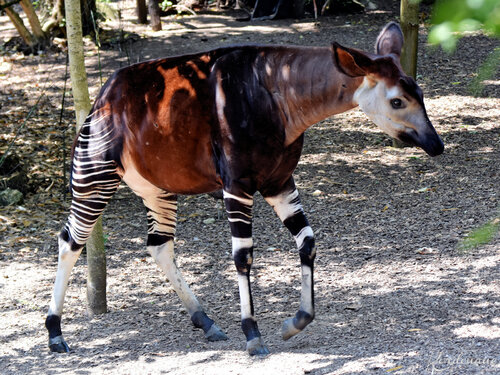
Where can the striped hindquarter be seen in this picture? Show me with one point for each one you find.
(94, 180)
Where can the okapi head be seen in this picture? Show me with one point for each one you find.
(390, 98)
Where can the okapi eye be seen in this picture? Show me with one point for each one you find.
(396, 103)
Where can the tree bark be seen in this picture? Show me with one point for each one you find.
(142, 12)
(96, 279)
(154, 14)
(96, 276)
(36, 28)
(409, 25)
(19, 24)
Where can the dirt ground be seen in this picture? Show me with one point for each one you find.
(395, 293)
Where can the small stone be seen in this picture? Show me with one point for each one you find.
(210, 220)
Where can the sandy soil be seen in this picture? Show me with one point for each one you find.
(394, 291)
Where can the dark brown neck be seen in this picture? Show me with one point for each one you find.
(308, 87)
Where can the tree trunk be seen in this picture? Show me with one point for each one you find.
(409, 25)
(142, 12)
(154, 14)
(33, 20)
(96, 276)
(96, 280)
(19, 24)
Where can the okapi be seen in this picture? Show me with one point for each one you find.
(233, 119)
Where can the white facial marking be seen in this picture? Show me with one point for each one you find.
(393, 92)
(373, 99)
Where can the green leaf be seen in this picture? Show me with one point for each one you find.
(481, 236)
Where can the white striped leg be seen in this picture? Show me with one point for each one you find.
(86, 207)
(239, 212)
(289, 209)
(162, 210)
(93, 183)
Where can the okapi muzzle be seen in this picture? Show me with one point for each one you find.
(230, 119)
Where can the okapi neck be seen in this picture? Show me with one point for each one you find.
(308, 87)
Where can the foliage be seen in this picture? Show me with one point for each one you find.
(487, 70)
(481, 236)
(456, 16)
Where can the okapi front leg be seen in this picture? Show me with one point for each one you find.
(162, 208)
(239, 212)
(288, 208)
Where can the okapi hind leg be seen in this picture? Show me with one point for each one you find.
(94, 180)
(162, 208)
(289, 209)
(66, 261)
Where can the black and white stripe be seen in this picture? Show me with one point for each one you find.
(94, 180)
(239, 213)
(289, 209)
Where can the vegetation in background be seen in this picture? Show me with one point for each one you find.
(453, 17)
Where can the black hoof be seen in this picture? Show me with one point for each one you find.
(58, 345)
(256, 347)
(215, 334)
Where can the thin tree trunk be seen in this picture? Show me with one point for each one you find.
(19, 24)
(96, 280)
(409, 25)
(154, 14)
(36, 28)
(142, 12)
(96, 276)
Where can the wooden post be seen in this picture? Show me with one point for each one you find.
(154, 15)
(409, 25)
(142, 11)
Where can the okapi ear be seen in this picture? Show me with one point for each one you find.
(390, 40)
(351, 62)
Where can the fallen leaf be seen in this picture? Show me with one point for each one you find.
(395, 369)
